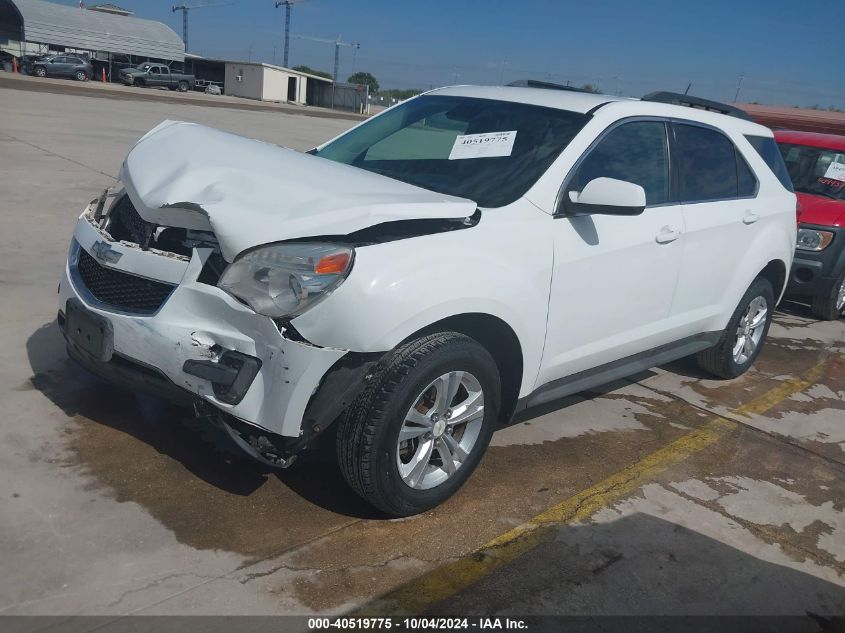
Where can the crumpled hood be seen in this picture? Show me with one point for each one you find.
(251, 193)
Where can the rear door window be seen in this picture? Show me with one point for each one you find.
(707, 162)
(747, 179)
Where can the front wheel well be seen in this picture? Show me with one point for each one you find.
(499, 339)
(775, 272)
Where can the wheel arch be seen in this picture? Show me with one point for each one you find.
(775, 271)
(499, 339)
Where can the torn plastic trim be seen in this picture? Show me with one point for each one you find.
(249, 439)
(339, 388)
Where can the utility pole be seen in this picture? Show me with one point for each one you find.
(184, 8)
(355, 48)
(287, 4)
(738, 86)
(337, 44)
(502, 72)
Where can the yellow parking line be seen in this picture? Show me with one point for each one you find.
(455, 576)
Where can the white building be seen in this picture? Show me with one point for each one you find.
(266, 82)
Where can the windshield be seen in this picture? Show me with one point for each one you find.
(143, 67)
(815, 170)
(486, 150)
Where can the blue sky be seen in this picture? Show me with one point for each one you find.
(785, 50)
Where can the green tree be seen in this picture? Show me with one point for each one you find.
(311, 71)
(366, 79)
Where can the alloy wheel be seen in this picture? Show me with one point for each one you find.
(750, 329)
(840, 297)
(440, 430)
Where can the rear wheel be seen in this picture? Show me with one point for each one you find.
(831, 306)
(81, 75)
(420, 428)
(742, 339)
(183, 86)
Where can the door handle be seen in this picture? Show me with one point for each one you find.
(750, 217)
(667, 235)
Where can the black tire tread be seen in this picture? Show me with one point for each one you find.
(824, 306)
(357, 431)
(718, 360)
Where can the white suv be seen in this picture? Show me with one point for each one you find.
(412, 283)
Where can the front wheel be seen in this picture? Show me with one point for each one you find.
(40, 71)
(742, 339)
(422, 424)
(832, 305)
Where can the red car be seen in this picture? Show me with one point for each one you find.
(816, 164)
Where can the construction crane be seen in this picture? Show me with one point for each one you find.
(287, 4)
(184, 8)
(337, 44)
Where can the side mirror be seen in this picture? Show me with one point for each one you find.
(607, 196)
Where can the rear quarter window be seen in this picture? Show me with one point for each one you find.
(769, 152)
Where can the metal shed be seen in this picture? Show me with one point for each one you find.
(61, 25)
(266, 82)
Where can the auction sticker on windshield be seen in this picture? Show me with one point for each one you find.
(835, 170)
(487, 145)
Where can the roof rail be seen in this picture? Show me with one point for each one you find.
(534, 83)
(676, 98)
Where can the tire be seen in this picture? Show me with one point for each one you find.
(830, 307)
(369, 451)
(183, 86)
(40, 71)
(721, 360)
(81, 75)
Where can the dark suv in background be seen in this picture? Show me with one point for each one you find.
(63, 66)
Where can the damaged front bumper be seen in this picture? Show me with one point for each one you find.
(188, 340)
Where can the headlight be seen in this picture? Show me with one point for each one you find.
(285, 279)
(813, 240)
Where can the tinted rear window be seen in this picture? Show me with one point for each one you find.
(768, 150)
(708, 164)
